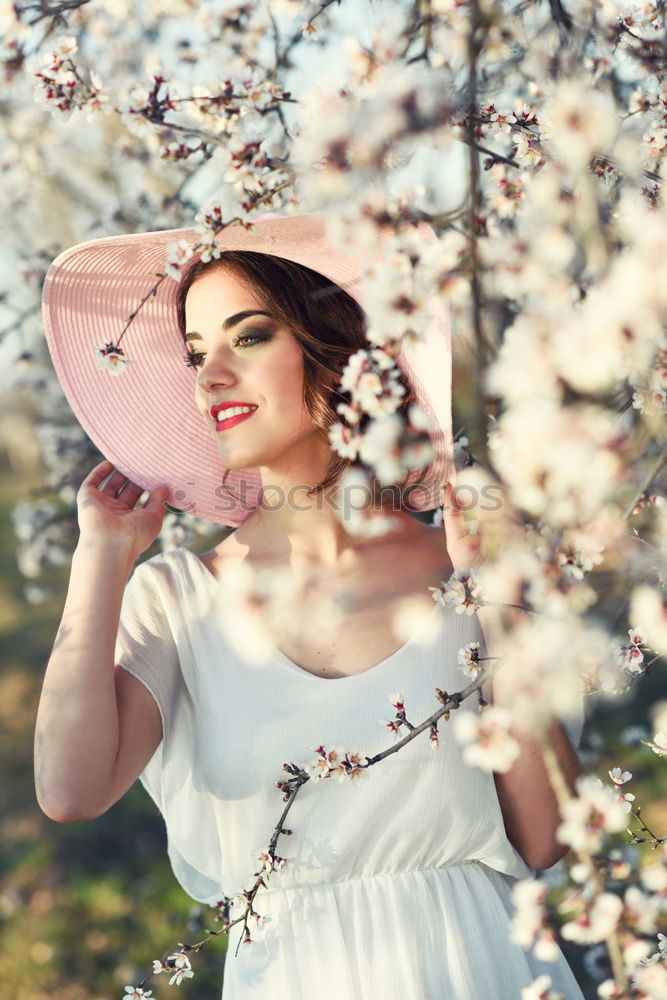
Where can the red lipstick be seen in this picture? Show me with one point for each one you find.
(224, 423)
(215, 410)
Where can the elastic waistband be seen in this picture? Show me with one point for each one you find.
(274, 886)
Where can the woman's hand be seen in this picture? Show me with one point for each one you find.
(494, 526)
(464, 549)
(109, 513)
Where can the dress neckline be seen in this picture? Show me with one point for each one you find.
(281, 658)
(285, 660)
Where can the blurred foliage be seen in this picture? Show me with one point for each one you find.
(86, 907)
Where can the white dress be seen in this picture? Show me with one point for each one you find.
(398, 884)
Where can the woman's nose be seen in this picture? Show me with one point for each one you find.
(215, 371)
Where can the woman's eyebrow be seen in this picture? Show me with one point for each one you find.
(232, 321)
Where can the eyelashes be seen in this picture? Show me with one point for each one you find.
(194, 359)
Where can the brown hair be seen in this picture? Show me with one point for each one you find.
(327, 322)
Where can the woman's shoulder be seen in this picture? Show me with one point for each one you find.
(167, 569)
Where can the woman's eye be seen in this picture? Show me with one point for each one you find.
(244, 339)
(193, 359)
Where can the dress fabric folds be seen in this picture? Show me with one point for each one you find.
(397, 885)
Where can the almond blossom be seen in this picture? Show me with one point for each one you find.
(468, 657)
(337, 763)
(592, 812)
(487, 738)
(461, 591)
(641, 910)
(659, 744)
(540, 989)
(596, 920)
(111, 359)
(178, 964)
(178, 254)
(620, 778)
(529, 923)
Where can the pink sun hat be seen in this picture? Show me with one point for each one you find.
(141, 414)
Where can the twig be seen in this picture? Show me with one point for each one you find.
(474, 48)
(653, 472)
(652, 838)
(563, 796)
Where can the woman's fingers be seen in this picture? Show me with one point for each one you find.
(96, 475)
(131, 494)
(452, 513)
(158, 497)
(115, 483)
(119, 486)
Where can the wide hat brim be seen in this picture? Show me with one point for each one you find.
(144, 420)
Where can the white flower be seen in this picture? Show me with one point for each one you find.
(179, 975)
(461, 591)
(649, 606)
(178, 254)
(469, 659)
(597, 922)
(209, 249)
(546, 947)
(652, 979)
(619, 777)
(540, 989)
(317, 768)
(378, 448)
(637, 636)
(642, 910)
(491, 746)
(111, 359)
(579, 122)
(180, 963)
(349, 413)
(609, 989)
(338, 763)
(528, 897)
(654, 878)
(136, 993)
(659, 744)
(343, 441)
(269, 862)
(595, 810)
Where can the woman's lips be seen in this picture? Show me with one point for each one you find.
(224, 425)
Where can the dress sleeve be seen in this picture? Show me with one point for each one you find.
(151, 646)
(145, 645)
(146, 648)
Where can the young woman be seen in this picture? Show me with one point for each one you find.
(398, 885)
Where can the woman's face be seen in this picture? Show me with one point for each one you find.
(247, 358)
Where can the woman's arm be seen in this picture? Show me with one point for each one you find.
(527, 801)
(96, 726)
